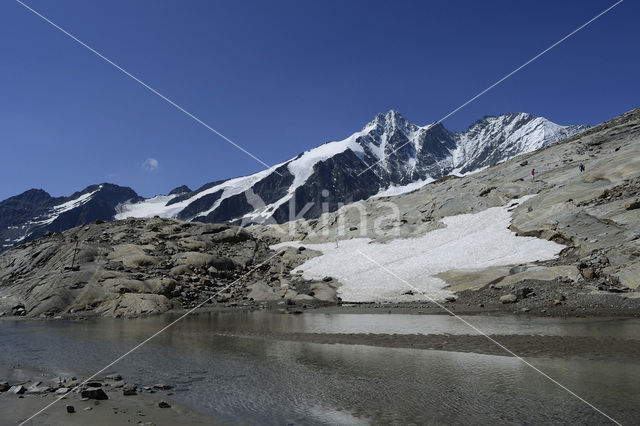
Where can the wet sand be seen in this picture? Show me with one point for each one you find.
(522, 345)
(141, 408)
(118, 409)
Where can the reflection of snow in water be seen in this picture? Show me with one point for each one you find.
(470, 241)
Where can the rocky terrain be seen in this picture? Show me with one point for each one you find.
(594, 213)
(108, 399)
(141, 266)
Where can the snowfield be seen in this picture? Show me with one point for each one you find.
(405, 189)
(470, 241)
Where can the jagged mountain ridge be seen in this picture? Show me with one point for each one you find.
(31, 214)
(388, 152)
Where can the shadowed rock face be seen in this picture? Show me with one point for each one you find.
(33, 213)
(180, 190)
(143, 266)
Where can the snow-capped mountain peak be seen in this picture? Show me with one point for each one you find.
(497, 138)
(390, 155)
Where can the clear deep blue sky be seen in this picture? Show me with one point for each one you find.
(280, 77)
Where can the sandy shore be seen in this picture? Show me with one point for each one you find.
(141, 408)
(116, 410)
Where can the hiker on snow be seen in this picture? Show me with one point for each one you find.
(581, 167)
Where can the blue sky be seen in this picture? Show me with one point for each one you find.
(280, 77)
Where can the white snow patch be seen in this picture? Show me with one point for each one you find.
(399, 190)
(470, 241)
(155, 206)
(61, 208)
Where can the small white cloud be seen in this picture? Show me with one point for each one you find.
(150, 164)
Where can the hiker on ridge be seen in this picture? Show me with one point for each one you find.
(533, 175)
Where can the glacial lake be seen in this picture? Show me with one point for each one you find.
(247, 379)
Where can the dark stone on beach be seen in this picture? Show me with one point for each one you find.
(71, 409)
(17, 389)
(94, 393)
(113, 377)
(4, 386)
(130, 390)
(450, 299)
(93, 384)
(164, 404)
(19, 310)
(327, 279)
(162, 386)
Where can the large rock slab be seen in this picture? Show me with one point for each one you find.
(503, 276)
(132, 304)
(133, 255)
(260, 291)
(630, 276)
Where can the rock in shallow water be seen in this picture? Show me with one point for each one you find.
(94, 393)
(17, 389)
(130, 390)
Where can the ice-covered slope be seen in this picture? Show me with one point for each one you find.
(495, 139)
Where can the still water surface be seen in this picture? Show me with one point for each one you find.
(249, 380)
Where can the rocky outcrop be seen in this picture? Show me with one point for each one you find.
(591, 212)
(144, 266)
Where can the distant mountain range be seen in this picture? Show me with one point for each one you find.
(388, 156)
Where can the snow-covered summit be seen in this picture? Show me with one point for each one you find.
(389, 156)
(497, 138)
